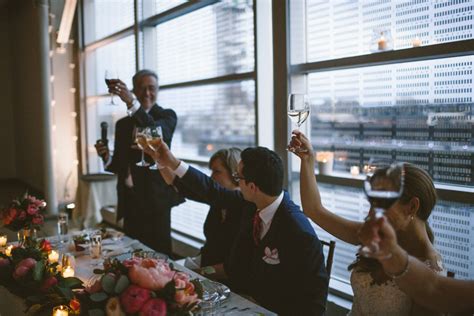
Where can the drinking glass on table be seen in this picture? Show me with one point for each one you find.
(383, 187)
(298, 112)
(96, 246)
(110, 75)
(141, 141)
(153, 141)
(63, 220)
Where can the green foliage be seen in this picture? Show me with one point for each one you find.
(122, 283)
(99, 297)
(38, 271)
(108, 283)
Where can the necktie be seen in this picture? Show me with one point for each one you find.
(257, 228)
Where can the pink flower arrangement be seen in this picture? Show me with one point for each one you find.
(149, 287)
(24, 213)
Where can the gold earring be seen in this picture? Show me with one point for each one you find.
(412, 217)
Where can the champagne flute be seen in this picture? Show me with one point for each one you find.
(140, 139)
(153, 141)
(298, 112)
(383, 187)
(110, 75)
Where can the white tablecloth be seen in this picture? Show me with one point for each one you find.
(234, 305)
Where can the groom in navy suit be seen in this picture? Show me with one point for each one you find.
(277, 258)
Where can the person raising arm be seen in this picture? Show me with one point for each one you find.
(414, 277)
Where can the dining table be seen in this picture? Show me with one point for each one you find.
(121, 248)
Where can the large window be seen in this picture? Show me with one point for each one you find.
(388, 80)
(203, 52)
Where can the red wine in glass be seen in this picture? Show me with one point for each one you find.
(110, 75)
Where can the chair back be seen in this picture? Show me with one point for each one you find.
(332, 246)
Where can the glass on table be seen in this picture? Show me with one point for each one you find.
(63, 227)
(95, 247)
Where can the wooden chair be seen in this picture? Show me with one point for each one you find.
(332, 246)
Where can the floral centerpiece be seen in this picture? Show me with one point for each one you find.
(24, 213)
(144, 286)
(26, 272)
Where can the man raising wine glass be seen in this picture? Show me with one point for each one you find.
(144, 199)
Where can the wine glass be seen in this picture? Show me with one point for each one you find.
(110, 75)
(383, 187)
(140, 139)
(154, 140)
(298, 112)
(298, 108)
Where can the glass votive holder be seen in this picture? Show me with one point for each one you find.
(96, 246)
(3, 240)
(209, 304)
(53, 256)
(61, 310)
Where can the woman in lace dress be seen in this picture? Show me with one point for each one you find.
(375, 293)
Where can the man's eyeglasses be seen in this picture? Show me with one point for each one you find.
(236, 177)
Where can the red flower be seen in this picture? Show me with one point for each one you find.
(48, 283)
(9, 216)
(45, 246)
(75, 305)
(154, 307)
(4, 262)
(133, 298)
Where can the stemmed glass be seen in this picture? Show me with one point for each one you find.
(110, 75)
(154, 140)
(141, 140)
(298, 112)
(383, 187)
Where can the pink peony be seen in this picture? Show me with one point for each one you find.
(48, 283)
(154, 307)
(185, 291)
(152, 274)
(32, 209)
(132, 261)
(112, 308)
(133, 298)
(23, 267)
(22, 215)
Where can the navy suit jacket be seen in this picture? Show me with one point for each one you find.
(296, 283)
(146, 207)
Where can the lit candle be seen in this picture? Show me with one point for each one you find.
(355, 171)
(416, 42)
(3, 240)
(68, 272)
(61, 310)
(382, 43)
(8, 251)
(325, 161)
(53, 256)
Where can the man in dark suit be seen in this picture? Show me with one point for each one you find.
(277, 258)
(144, 199)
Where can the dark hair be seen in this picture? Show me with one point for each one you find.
(143, 73)
(418, 183)
(230, 158)
(263, 167)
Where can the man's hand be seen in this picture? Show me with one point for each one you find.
(161, 153)
(102, 150)
(118, 87)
